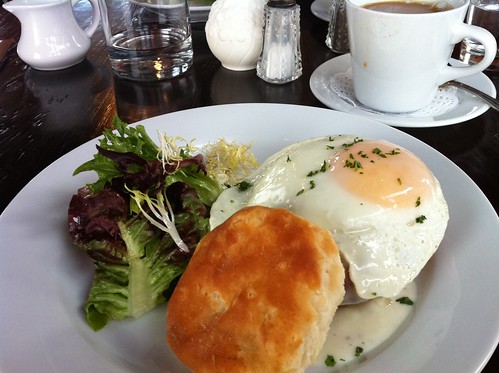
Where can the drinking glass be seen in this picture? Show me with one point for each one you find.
(147, 40)
(483, 13)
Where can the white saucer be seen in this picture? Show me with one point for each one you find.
(321, 9)
(469, 106)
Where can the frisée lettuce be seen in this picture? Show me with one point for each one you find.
(140, 221)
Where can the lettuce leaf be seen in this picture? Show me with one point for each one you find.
(134, 151)
(138, 284)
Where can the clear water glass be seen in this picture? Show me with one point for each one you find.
(148, 40)
(337, 33)
(482, 13)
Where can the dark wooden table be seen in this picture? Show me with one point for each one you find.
(44, 115)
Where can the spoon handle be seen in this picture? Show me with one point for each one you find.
(493, 102)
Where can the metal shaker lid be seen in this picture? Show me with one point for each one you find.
(281, 3)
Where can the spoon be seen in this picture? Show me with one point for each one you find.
(491, 101)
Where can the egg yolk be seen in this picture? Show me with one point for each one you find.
(382, 173)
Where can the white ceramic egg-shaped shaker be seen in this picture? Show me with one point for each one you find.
(234, 31)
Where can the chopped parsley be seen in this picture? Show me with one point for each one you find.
(358, 350)
(394, 151)
(362, 154)
(243, 186)
(405, 300)
(378, 151)
(355, 141)
(355, 164)
(315, 172)
(330, 362)
(399, 180)
(288, 159)
(420, 219)
(312, 186)
(418, 201)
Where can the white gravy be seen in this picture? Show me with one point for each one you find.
(365, 326)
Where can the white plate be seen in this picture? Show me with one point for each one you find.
(44, 279)
(469, 105)
(322, 9)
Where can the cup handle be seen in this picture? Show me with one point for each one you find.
(490, 46)
(95, 16)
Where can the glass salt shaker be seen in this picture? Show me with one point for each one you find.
(337, 33)
(280, 60)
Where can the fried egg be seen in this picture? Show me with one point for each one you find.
(382, 204)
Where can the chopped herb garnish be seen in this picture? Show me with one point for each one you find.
(300, 192)
(315, 172)
(312, 184)
(399, 180)
(374, 294)
(394, 152)
(362, 154)
(355, 141)
(358, 350)
(420, 219)
(383, 155)
(288, 159)
(418, 201)
(330, 147)
(330, 362)
(243, 186)
(355, 164)
(405, 300)
(378, 151)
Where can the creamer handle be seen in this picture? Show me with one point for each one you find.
(95, 16)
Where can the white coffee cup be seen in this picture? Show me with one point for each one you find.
(399, 60)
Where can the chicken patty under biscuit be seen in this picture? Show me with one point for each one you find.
(257, 296)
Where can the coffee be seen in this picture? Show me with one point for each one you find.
(409, 7)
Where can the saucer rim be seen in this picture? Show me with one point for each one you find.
(320, 10)
(333, 101)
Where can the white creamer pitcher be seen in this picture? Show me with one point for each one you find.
(51, 39)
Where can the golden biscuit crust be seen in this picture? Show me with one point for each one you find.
(257, 296)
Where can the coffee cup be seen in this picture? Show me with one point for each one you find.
(400, 54)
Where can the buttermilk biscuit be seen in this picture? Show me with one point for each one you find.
(258, 295)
